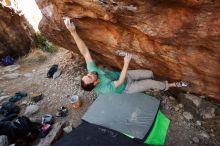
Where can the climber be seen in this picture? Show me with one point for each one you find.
(106, 81)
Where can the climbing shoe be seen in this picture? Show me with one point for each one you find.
(52, 70)
(47, 119)
(62, 112)
(17, 96)
(35, 97)
(45, 130)
(182, 84)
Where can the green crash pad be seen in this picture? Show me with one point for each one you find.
(157, 135)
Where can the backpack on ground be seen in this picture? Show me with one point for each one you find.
(52, 70)
(22, 130)
(7, 60)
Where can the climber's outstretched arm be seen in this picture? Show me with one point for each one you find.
(80, 43)
(122, 77)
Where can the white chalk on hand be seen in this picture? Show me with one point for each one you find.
(66, 20)
(121, 53)
(124, 53)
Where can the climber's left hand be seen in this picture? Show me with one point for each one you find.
(69, 25)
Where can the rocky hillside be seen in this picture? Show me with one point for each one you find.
(177, 39)
(16, 34)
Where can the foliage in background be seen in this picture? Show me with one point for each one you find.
(42, 43)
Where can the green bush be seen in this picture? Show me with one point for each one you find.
(42, 43)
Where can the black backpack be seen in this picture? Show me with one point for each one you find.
(20, 130)
(52, 70)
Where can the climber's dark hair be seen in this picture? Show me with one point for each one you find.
(87, 87)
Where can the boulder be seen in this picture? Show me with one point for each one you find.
(15, 31)
(177, 40)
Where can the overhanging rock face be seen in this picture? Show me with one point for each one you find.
(177, 39)
(16, 34)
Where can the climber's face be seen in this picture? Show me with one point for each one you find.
(90, 78)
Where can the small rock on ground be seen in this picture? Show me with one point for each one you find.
(208, 113)
(11, 76)
(68, 129)
(180, 105)
(30, 110)
(2, 98)
(171, 98)
(198, 123)
(3, 140)
(187, 115)
(195, 99)
(28, 75)
(195, 139)
(176, 108)
(204, 134)
(25, 102)
(10, 68)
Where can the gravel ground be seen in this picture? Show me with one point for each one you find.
(57, 92)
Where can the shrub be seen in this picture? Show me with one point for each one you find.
(42, 43)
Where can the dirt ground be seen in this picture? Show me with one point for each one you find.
(57, 92)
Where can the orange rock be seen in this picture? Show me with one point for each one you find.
(16, 34)
(177, 40)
